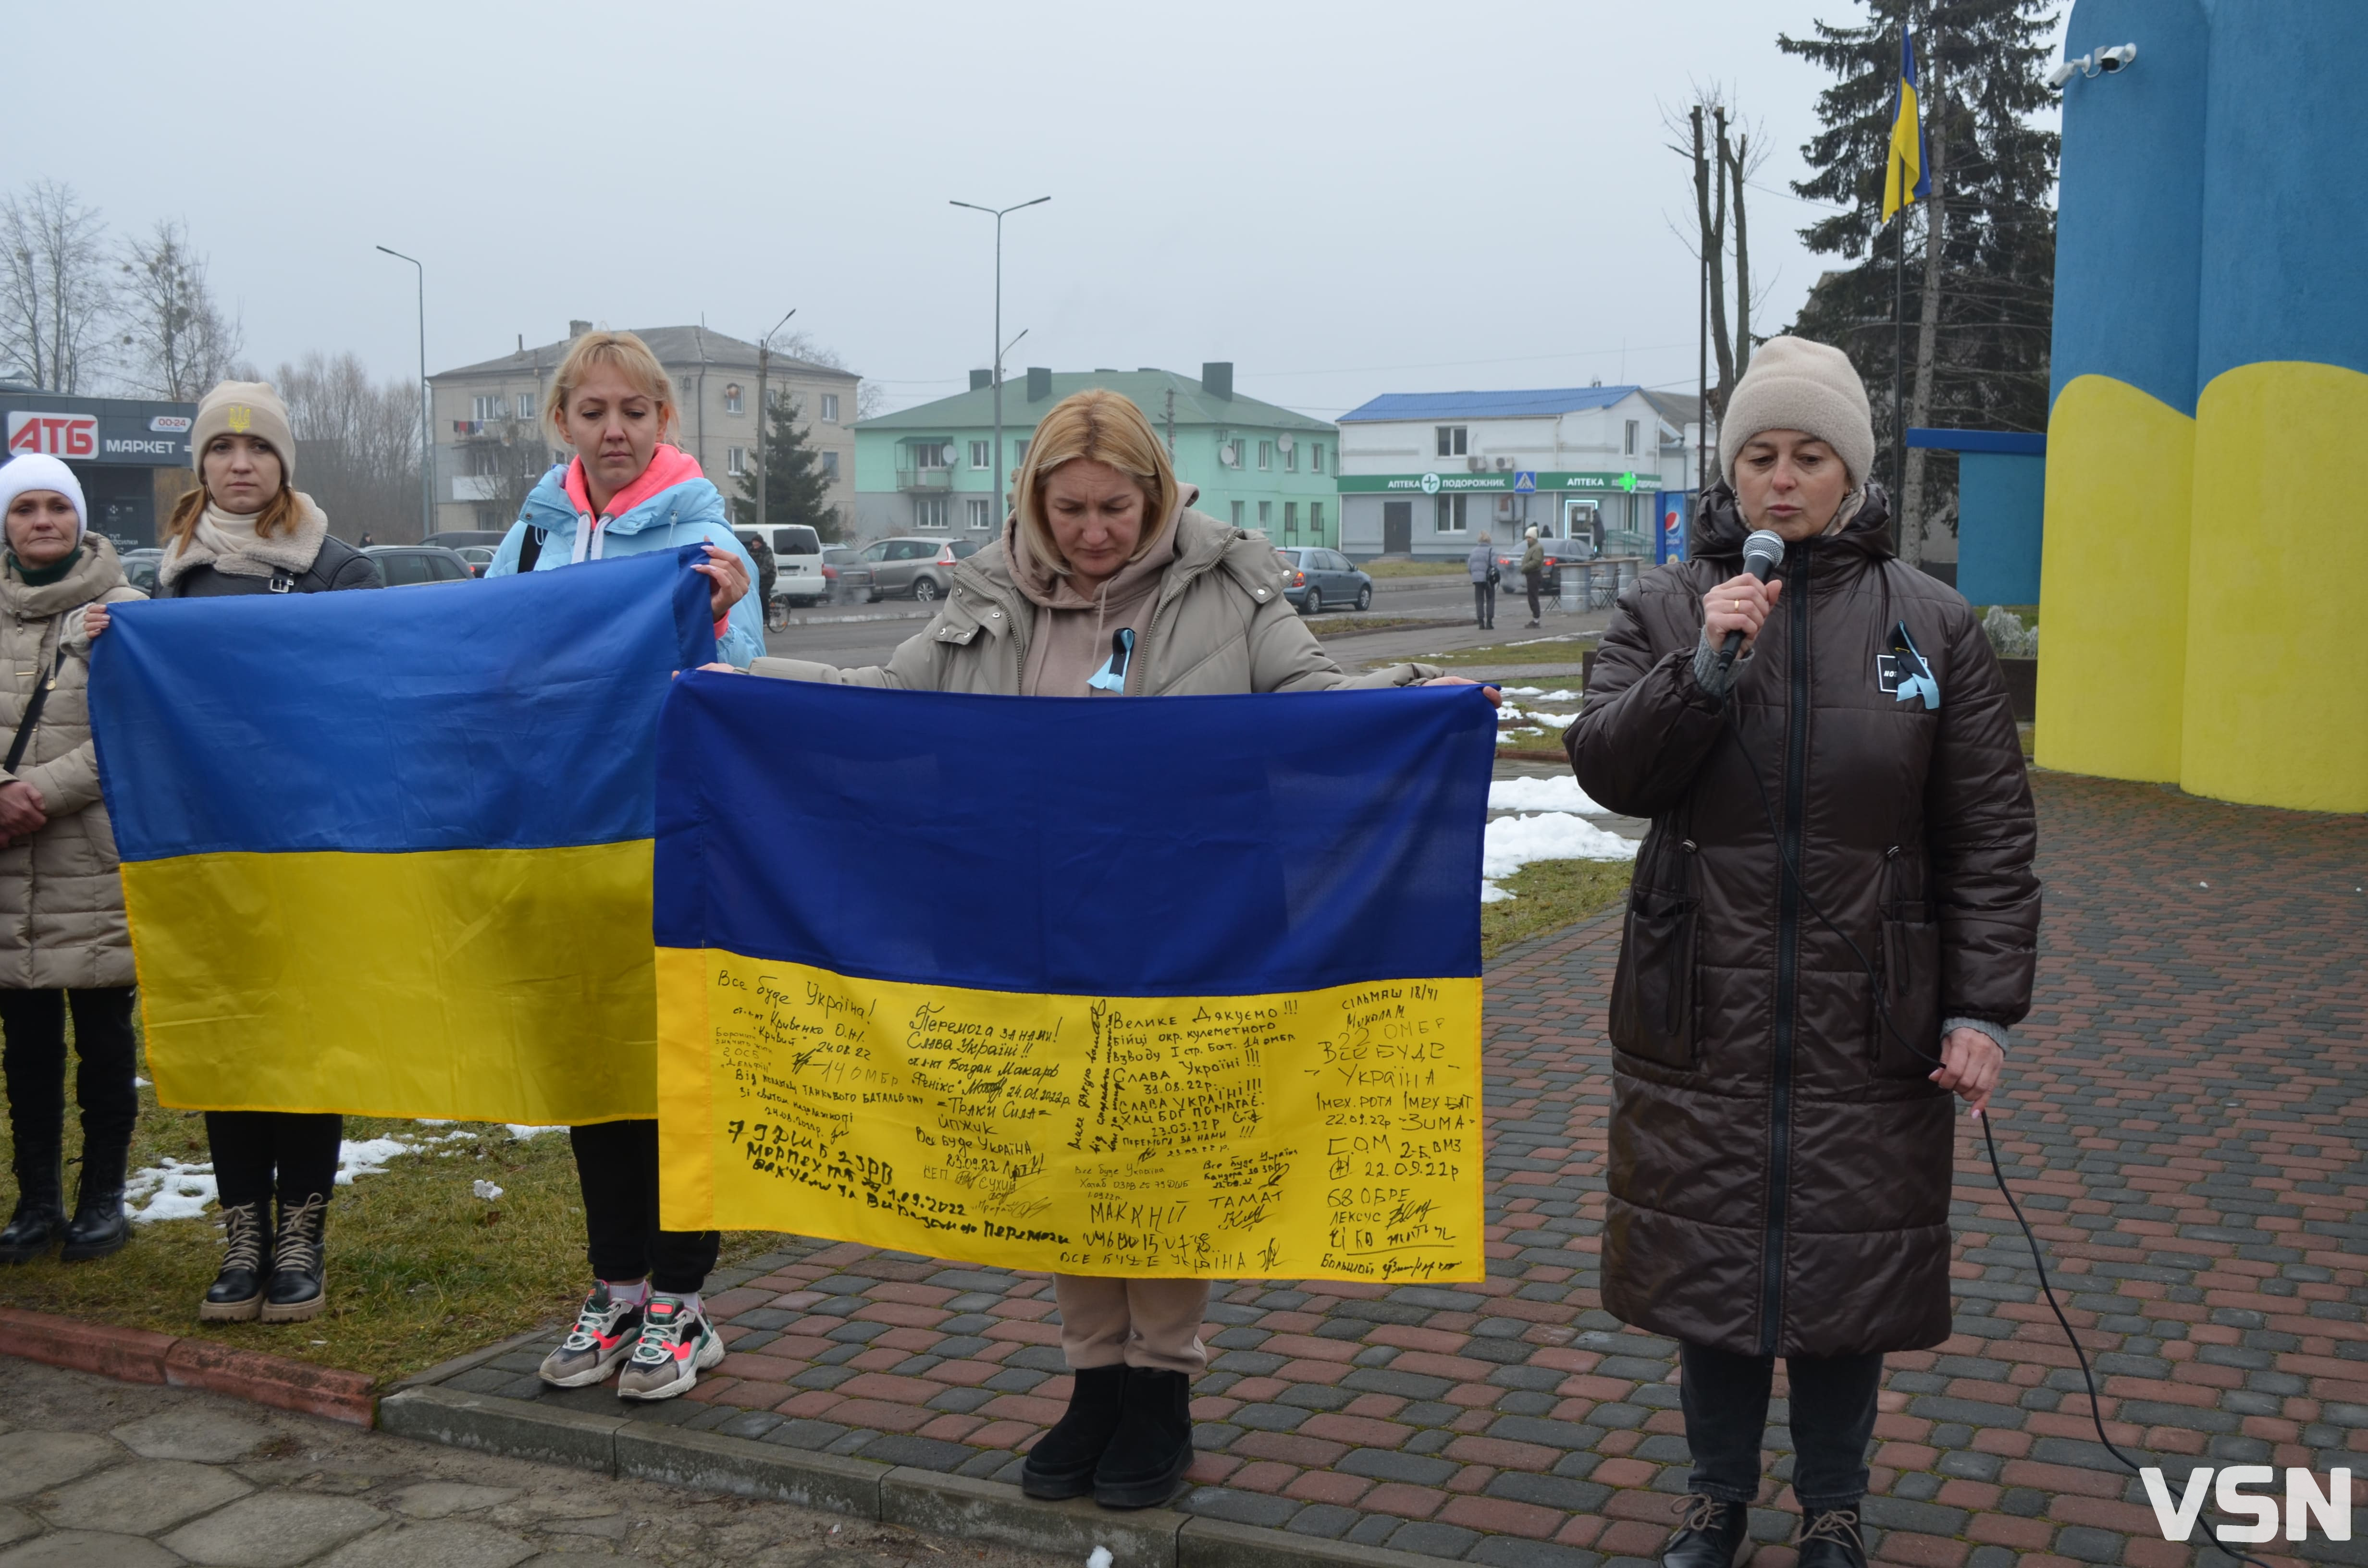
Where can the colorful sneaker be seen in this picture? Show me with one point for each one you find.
(603, 1335)
(677, 1345)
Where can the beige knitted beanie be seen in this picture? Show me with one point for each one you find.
(1795, 384)
(244, 408)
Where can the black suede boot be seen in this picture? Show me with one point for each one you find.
(236, 1294)
(1152, 1449)
(99, 1227)
(299, 1287)
(40, 1214)
(1708, 1536)
(1062, 1464)
(1830, 1539)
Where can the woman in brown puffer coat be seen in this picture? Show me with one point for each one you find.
(1782, 1132)
(63, 943)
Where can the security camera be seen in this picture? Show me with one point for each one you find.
(2066, 71)
(2114, 59)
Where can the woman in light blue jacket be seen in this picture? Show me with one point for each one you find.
(624, 492)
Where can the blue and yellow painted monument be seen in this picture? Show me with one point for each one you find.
(2207, 513)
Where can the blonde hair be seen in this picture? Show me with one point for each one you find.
(1096, 426)
(280, 515)
(625, 354)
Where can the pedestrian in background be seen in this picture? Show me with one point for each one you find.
(626, 491)
(1481, 566)
(247, 529)
(1107, 583)
(63, 943)
(1833, 925)
(1534, 572)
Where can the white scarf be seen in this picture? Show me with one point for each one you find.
(228, 543)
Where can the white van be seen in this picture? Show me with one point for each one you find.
(797, 566)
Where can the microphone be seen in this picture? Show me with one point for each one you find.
(1761, 553)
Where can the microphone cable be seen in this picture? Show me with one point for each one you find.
(1997, 1170)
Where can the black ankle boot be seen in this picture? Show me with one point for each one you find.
(299, 1287)
(236, 1294)
(1153, 1447)
(99, 1226)
(1062, 1464)
(1830, 1539)
(40, 1202)
(1708, 1536)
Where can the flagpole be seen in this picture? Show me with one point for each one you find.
(1899, 376)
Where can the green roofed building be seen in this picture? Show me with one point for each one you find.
(930, 469)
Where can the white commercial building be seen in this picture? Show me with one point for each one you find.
(1425, 473)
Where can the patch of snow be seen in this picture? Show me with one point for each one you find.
(138, 1082)
(1559, 792)
(522, 1132)
(368, 1157)
(485, 1190)
(1511, 843)
(1559, 720)
(1491, 894)
(170, 1191)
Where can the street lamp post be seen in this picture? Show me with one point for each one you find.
(427, 408)
(995, 375)
(764, 413)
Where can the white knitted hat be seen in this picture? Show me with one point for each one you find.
(1795, 384)
(39, 471)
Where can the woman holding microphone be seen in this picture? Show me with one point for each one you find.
(1107, 583)
(1832, 928)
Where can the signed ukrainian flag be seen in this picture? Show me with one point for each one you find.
(1187, 986)
(389, 852)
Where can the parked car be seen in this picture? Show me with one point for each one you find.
(849, 574)
(1557, 551)
(456, 539)
(406, 566)
(916, 568)
(478, 556)
(1312, 578)
(798, 577)
(140, 569)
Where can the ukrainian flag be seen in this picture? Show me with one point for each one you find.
(389, 853)
(1184, 986)
(1904, 177)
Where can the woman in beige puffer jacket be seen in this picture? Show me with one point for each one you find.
(1107, 583)
(63, 938)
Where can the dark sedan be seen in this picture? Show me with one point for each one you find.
(404, 566)
(1312, 578)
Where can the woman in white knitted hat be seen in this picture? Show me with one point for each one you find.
(1831, 929)
(63, 945)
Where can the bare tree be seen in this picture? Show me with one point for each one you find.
(55, 292)
(802, 346)
(357, 445)
(1724, 151)
(175, 341)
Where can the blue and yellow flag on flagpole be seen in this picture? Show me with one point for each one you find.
(389, 852)
(1187, 986)
(1904, 177)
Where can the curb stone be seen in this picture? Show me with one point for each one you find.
(142, 1356)
(918, 1499)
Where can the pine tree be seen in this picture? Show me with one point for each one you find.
(796, 490)
(1977, 357)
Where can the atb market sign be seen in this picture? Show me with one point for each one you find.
(1523, 483)
(98, 430)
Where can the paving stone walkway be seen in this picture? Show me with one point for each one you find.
(95, 1473)
(2182, 1126)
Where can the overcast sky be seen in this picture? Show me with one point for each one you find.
(1343, 199)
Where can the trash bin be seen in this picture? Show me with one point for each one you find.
(1574, 586)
